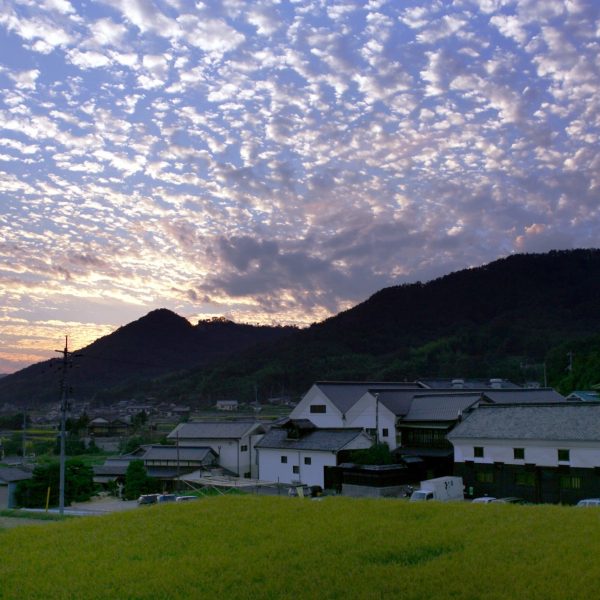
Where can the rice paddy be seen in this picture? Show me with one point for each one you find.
(273, 547)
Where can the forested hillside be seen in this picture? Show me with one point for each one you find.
(525, 317)
(505, 319)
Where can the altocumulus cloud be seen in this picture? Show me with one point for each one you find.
(280, 160)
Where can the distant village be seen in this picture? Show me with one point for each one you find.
(502, 439)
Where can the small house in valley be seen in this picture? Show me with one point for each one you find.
(233, 442)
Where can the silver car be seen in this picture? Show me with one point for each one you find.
(589, 502)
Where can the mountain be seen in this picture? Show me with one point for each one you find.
(160, 342)
(504, 319)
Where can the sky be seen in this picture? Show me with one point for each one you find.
(278, 161)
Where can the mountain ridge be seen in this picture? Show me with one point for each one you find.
(480, 322)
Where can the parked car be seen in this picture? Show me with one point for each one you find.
(484, 500)
(185, 498)
(511, 500)
(166, 498)
(148, 499)
(589, 502)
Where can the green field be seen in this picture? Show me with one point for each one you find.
(269, 547)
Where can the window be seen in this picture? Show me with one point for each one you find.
(296, 469)
(430, 438)
(318, 408)
(284, 459)
(563, 455)
(243, 448)
(569, 482)
(307, 460)
(525, 478)
(384, 432)
(519, 453)
(478, 452)
(485, 477)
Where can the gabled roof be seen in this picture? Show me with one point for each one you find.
(397, 401)
(215, 430)
(440, 407)
(524, 395)
(345, 394)
(326, 440)
(183, 453)
(9, 474)
(553, 422)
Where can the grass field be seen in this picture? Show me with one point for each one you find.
(270, 547)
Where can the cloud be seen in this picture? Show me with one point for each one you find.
(282, 161)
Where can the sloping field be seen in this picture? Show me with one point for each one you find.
(270, 547)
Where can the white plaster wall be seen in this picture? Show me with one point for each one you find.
(270, 467)
(365, 413)
(331, 418)
(542, 453)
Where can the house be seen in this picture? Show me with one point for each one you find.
(543, 453)
(161, 462)
(328, 403)
(169, 462)
(228, 405)
(233, 442)
(113, 469)
(109, 427)
(298, 452)
(9, 478)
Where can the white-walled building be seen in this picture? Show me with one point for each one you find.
(298, 452)
(543, 453)
(234, 442)
(346, 404)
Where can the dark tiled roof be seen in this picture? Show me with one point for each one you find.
(440, 407)
(345, 394)
(185, 453)
(397, 401)
(525, 395)
(557, 422)
(319, 439)
(8, 475)
(110, 469)
(215, 429)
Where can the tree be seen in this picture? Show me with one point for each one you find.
(79, 484)
(137, 481)
(377, 454)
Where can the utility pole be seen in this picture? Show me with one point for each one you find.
(63, 418)
(377, 418)
(24, 440)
